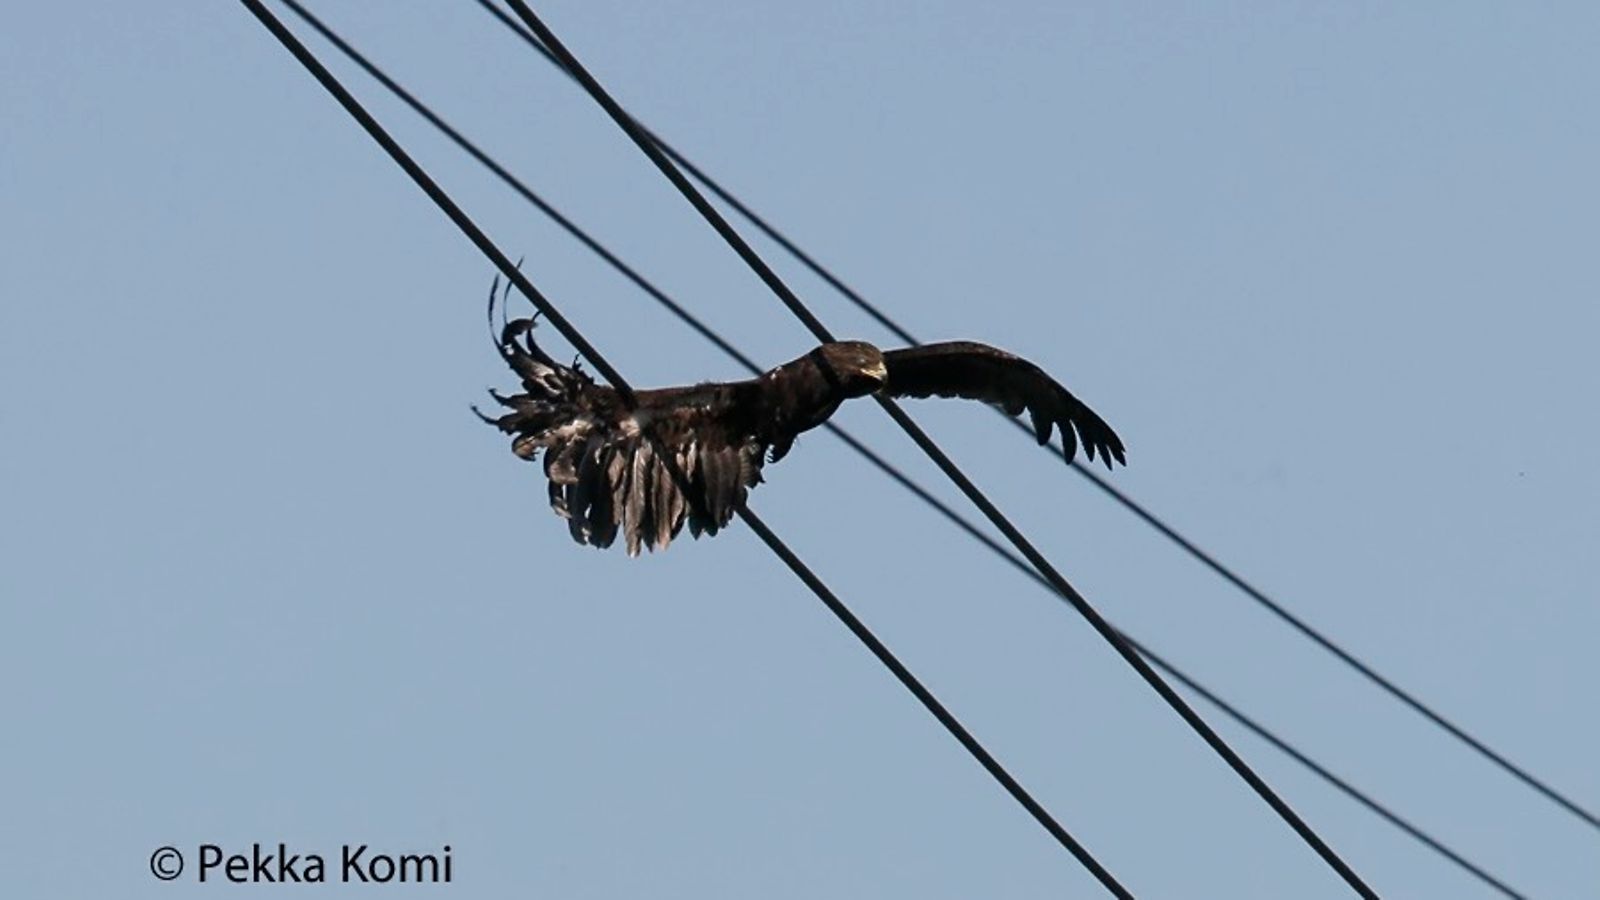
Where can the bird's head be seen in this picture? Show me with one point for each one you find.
(858, 365)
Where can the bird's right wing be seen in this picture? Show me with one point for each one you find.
(980, 372)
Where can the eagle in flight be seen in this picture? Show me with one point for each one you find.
(691, 454)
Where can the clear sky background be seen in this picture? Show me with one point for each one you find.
(1330, 270)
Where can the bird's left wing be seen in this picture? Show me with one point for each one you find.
(980, 372)
(679, 455)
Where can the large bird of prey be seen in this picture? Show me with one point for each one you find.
(690, 454)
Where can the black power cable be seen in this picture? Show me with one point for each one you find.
(1006, 554)
(773, 542)
(1172, 534)
(798, 308)
(1328, 776)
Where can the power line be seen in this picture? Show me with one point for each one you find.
(990, 511)
(1150, 518)
(1006, 554)
(711, 184)
(889, 469)
(1328, 776)
(773, 542)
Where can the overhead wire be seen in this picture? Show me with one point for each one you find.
(513, 273)
(889, 469)
(1327, 775)
(976, 496)
(1210, 561)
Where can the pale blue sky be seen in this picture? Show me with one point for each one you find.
(1329, 270)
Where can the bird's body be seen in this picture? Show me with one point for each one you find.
(691, 454)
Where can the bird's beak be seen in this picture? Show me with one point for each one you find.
(880, 372)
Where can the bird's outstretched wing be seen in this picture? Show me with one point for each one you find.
(979, 372)
(679, 455)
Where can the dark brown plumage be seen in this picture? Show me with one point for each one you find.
(615, 470)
